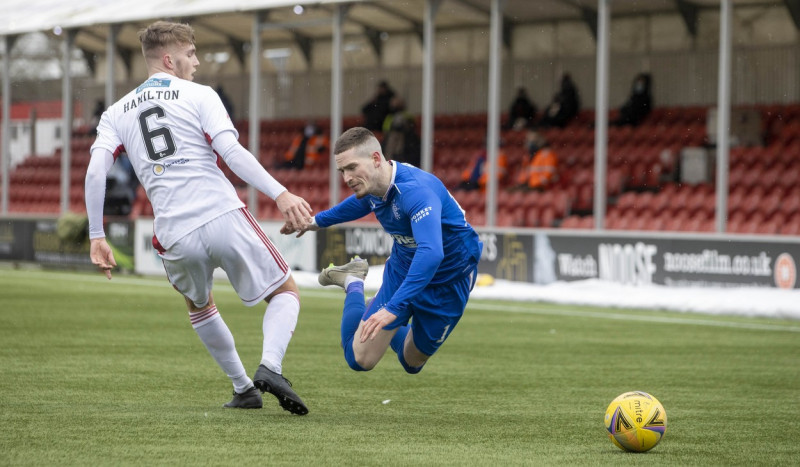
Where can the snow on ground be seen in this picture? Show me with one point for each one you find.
(760, 302)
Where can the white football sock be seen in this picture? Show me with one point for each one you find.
(280, 320)
(350, 279)
(212, 330)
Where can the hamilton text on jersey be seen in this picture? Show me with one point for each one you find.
(150, 94)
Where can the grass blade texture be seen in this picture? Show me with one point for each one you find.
(94, 372)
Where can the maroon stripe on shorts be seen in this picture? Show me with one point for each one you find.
(257, 229)
(157, 245)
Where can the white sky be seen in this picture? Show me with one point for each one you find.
(760, 302)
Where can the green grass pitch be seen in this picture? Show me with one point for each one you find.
(94, 372)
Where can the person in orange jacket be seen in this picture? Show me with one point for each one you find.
(542, 169)
(476, 174)
(307, 149)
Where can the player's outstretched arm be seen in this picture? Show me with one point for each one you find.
(295, 210)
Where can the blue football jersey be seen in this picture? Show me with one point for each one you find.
(433, 242)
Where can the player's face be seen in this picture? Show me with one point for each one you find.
(359, 171)
(184, 61)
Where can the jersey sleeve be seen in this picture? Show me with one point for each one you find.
(348, 210)
(245, 165)
(214, 118)
(107, 137)
(95, 189)
(424, 209)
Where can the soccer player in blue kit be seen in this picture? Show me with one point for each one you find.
(432, 268)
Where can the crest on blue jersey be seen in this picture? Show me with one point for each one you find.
(395, 211)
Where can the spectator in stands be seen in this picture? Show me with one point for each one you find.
(476, 174)
(226, 101)
(378, 108)
(99, 108)
(541, 171)
(400, 139)
(564, 107)
(121, 184)
(308, 148)
(639, 103)
(522, 112)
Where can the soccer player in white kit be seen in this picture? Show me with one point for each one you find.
(173, 131)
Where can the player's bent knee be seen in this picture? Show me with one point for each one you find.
(412, 370)
(355, 366)
(367, 355)
(352, 361)
(365, 363)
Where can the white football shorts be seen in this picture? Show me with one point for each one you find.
(234, 242)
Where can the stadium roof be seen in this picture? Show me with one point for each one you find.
(227, 22)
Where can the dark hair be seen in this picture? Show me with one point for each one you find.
(354, 137)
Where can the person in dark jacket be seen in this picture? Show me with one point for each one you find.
(376, 110)
(522, 112)
(639, 103)
(564, 107)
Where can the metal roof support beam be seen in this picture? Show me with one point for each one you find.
(126, 55)
(305, 43)
(291, 25)
(372, 33)
(66, 115)
(601, 113)
(91, 59)
(236, 45)
(493, 120)
(255, 88)
(508, 33)
(111, 46)
(794, 10)
(418, 27)
(689, 12)
(508, 26)
(5, 155)
(374, 37)
(428, 65)
(723, 112)
(590, 18)
(336, 96)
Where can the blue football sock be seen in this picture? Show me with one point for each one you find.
(399, 339)
(354, 309)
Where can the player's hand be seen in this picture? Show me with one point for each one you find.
(296, 211)
(375, 323)
(102, 256)
(287, 229)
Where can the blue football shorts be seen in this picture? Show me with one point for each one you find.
(433, 313)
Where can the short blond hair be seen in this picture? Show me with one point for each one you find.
(164, 34)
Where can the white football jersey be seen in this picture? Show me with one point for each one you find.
(166, 126)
